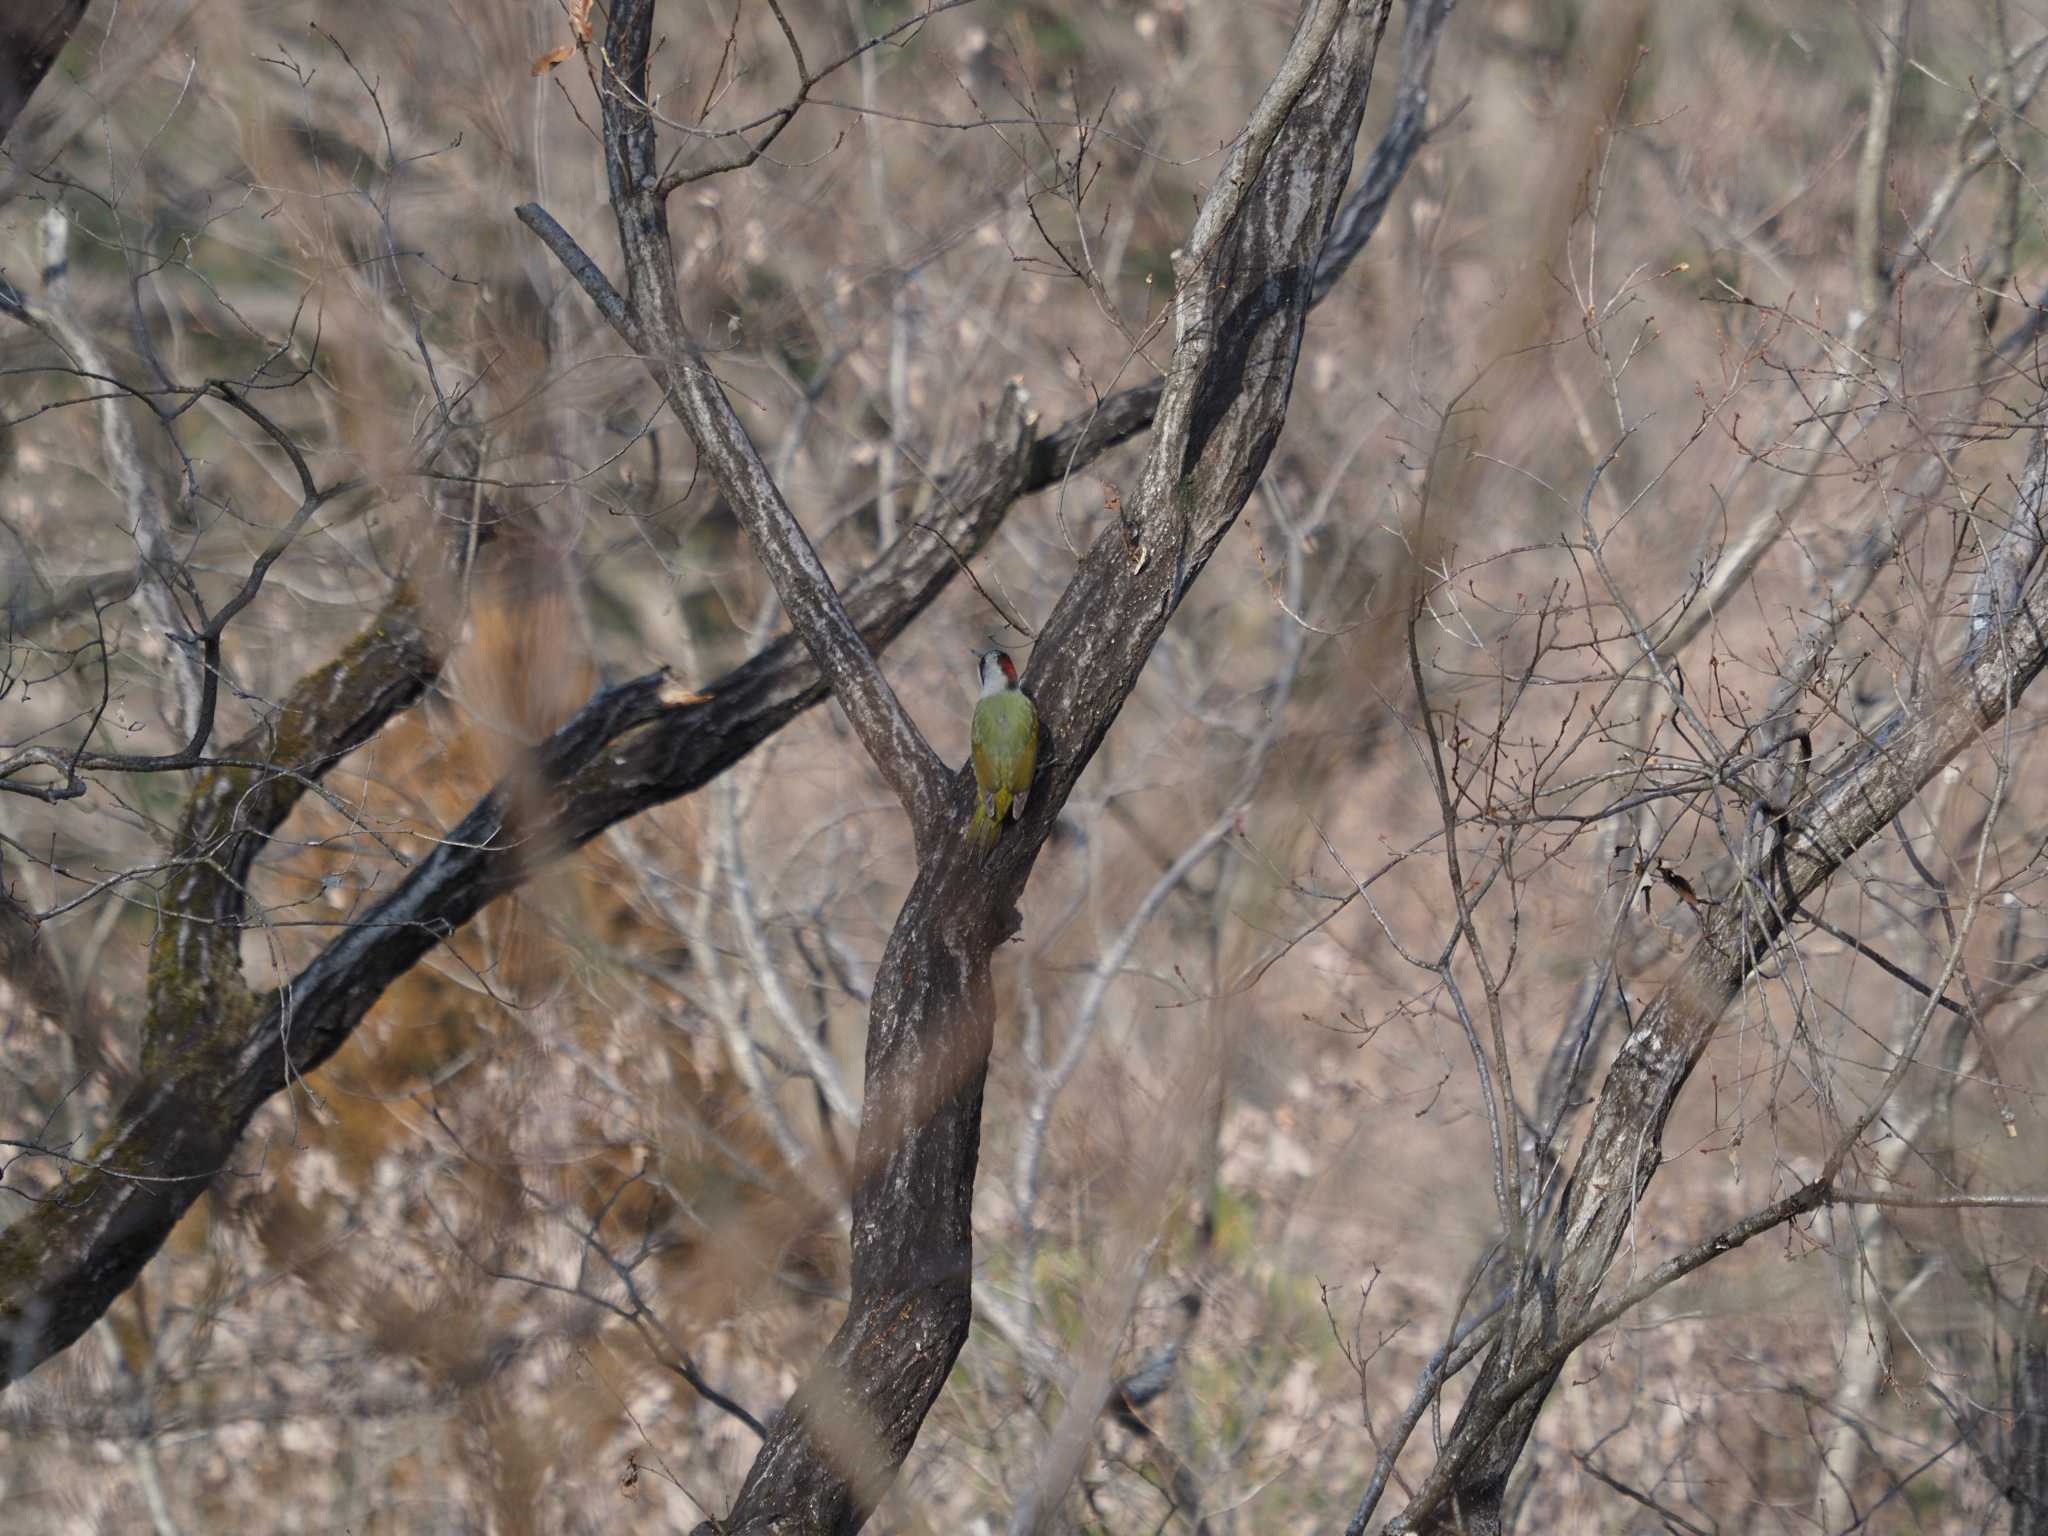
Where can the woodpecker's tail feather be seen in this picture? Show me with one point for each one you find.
(981, 832)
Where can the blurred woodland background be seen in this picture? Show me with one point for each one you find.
(1678, 414)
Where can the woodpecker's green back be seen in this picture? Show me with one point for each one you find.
(1005, 754)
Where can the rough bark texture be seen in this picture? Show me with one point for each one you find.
(2026, 1468)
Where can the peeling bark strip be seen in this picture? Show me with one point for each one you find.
(629, 749)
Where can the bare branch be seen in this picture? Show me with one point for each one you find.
(1855, 799)
(650, 318)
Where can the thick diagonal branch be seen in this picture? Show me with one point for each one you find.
(837, 1447)
(204, 1029)
(650, 317)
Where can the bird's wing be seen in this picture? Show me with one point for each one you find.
(984, 765)
(1027, 759)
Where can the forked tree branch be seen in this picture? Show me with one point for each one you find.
(837, 1447)
(650, 318)
(632, 747)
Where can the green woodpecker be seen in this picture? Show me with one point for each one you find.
(1005, 750)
